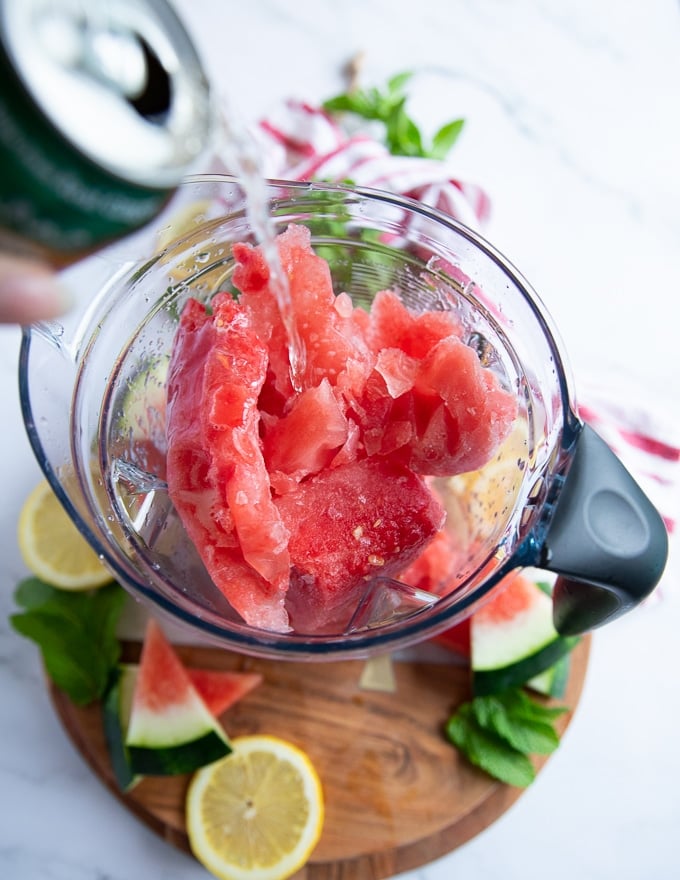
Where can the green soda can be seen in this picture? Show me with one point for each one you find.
(104, 109)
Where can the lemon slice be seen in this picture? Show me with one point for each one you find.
(53, 548)
(256, 814)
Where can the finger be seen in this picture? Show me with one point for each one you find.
(29, 291)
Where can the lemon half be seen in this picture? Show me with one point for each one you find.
(53, 548)
(256, 814)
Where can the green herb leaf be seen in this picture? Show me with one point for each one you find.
(520, 704)
(526, 734)
(32, 593)
(488, 751)
(76, 634)
(396, 83)
(445, 138)
(499, 732)
(402, 135)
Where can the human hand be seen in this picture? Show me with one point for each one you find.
(29, 291)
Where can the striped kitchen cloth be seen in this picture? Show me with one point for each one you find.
(298, 141)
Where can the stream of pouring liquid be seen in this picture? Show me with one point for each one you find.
(241, 154)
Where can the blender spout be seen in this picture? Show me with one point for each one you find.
(606, 540)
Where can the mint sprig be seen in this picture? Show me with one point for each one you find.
(402, 135)
(76, 634)
(498, 733)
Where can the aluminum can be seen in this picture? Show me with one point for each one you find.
(104, 109)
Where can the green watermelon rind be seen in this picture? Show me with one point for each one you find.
(179, 739)
(115, 718)
(510, 652)
(184, 757)
(553, 681)
(493, 681)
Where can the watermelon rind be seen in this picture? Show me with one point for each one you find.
(552, 682)
(508, 653)
(178, 739)
(171, 729)
(183, 757)
(116, 709)
(493, 681)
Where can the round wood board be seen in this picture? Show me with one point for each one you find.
(397, 794)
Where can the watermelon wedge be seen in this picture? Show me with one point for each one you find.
(457, 638)
(513, 638)
(219, 690)
(116, 710)
(171, 730)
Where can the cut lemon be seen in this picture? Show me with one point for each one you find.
(53, 548)
(256, 814)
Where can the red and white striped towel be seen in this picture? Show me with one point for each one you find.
(301, 142)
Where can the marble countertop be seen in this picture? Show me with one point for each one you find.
(573, 128)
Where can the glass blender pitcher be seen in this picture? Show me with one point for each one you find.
(554, 497)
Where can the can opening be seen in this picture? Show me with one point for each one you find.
(155, 99)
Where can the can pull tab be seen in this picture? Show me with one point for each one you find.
(606, 539)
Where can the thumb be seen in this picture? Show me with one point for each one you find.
(29, 291)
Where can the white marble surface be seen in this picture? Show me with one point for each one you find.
(573, 126)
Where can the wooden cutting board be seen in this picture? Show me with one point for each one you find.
(397, 794)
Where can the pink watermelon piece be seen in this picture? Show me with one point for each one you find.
(434, 567)
(217, 477)
(429, 402)
(347, 525)
(325, 323)
(222, 688)
(307, 438)
(162, 680)
(255, 469)
(393, 325)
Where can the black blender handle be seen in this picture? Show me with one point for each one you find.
(605, 538)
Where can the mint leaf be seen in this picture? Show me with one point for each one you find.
(499, 732)
(76, 634)
(402, 135)
(32, 593)
(522, 705)
(396, 83)
(522, 732)
(445, 138)
(488, 751)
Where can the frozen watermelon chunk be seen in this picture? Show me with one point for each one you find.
(307, 438)
(217, 477)
(429, 402)
(393, 325)
(272, 483)
(347, 525)
(436, 566)
(327, 326)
